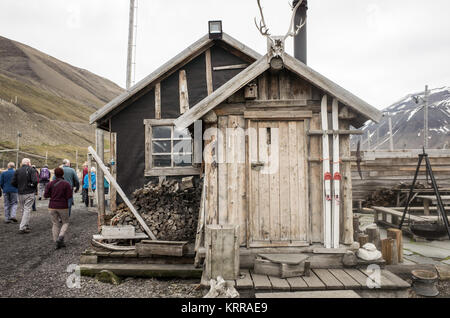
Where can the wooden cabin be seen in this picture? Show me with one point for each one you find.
(261, 154)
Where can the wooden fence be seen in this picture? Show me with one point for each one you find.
(385, 169)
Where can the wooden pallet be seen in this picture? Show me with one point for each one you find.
(320, 279)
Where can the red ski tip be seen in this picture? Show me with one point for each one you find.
(337, 176)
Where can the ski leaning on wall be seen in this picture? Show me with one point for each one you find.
(336, 176)
(327, 198)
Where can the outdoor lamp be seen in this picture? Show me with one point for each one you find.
(215, 29)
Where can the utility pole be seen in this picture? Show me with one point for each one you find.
(425, 128)
(19, 134)
(391, 137)
(131, 59)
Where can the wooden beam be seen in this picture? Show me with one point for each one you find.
(100, 177)
(342, 95)
(209, 77)
(184, 95)
(113, 157)
(332, 132)
(230, 67)
(121, 193)
(158, 101)
(221, 94)
(291, 115)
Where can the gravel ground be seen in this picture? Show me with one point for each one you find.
(31, 267)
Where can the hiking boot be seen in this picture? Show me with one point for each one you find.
(60, 243)
(40, 199)
(13, 220)
(7, 221)
(24, 231)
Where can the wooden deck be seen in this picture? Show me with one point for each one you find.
(320, 279)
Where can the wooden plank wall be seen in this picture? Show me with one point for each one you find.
(391, 169)
(231, 177)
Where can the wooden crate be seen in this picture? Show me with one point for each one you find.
(165, 248)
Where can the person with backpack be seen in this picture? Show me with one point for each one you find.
(10, 194)
(25, 180)
(70, 176)
(86, 185)
(60, 192)
(44, 179)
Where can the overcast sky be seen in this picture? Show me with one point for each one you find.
(379, 50)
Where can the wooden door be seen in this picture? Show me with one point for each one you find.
(278, 187)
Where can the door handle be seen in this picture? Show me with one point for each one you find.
(257, 165)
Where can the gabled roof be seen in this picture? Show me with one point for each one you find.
(292, 64)
(195, 48)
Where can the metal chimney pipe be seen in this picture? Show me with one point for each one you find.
(300, 40)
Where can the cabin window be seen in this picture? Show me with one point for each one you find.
(169, 150)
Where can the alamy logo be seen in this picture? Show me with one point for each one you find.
(374, 276)
(74, 279)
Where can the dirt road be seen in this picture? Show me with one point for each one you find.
(31, 267)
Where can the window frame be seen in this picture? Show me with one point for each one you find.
(151, 171)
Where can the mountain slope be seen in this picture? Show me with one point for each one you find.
(408, 123)
(49, 101)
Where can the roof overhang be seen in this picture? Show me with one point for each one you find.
(261, 65)
(191, 52)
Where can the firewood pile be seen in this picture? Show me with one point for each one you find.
(169, 208)
(387, 197)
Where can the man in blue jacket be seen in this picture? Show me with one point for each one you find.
(10, 194)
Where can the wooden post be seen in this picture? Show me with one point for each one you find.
(426, 207)
(374, 236)
(90, 193)
(363, 239)
(355, 228)
(396, 235)
(222, 251)
(113, 155)
(386, 250)
(100, 178)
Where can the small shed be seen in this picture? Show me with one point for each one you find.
(269, 135)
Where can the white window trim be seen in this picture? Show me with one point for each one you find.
(151, 171)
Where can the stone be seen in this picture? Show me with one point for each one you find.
(355, 246)
(349, 259)
(443, 271)
(88, 259)
(428, 250)
(418, 259)
(108, 277)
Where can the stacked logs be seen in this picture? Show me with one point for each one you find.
(387, 197)
(169, 208)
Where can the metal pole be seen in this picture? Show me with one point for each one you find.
(425, 129)
(46, 157)
(18, 149)
(130, 43)
(391, 138)
(76, 160)
(368, 140)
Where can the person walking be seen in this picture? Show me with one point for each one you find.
(25, 180)
(86, 185)
(44, 179)
(10, 193)
(59, 191)
(70, 176)
(37, 175)
(84, 191)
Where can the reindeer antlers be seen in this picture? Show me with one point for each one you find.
(291, 31)
(263, 29)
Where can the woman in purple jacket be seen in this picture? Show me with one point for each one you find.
(59, 191)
